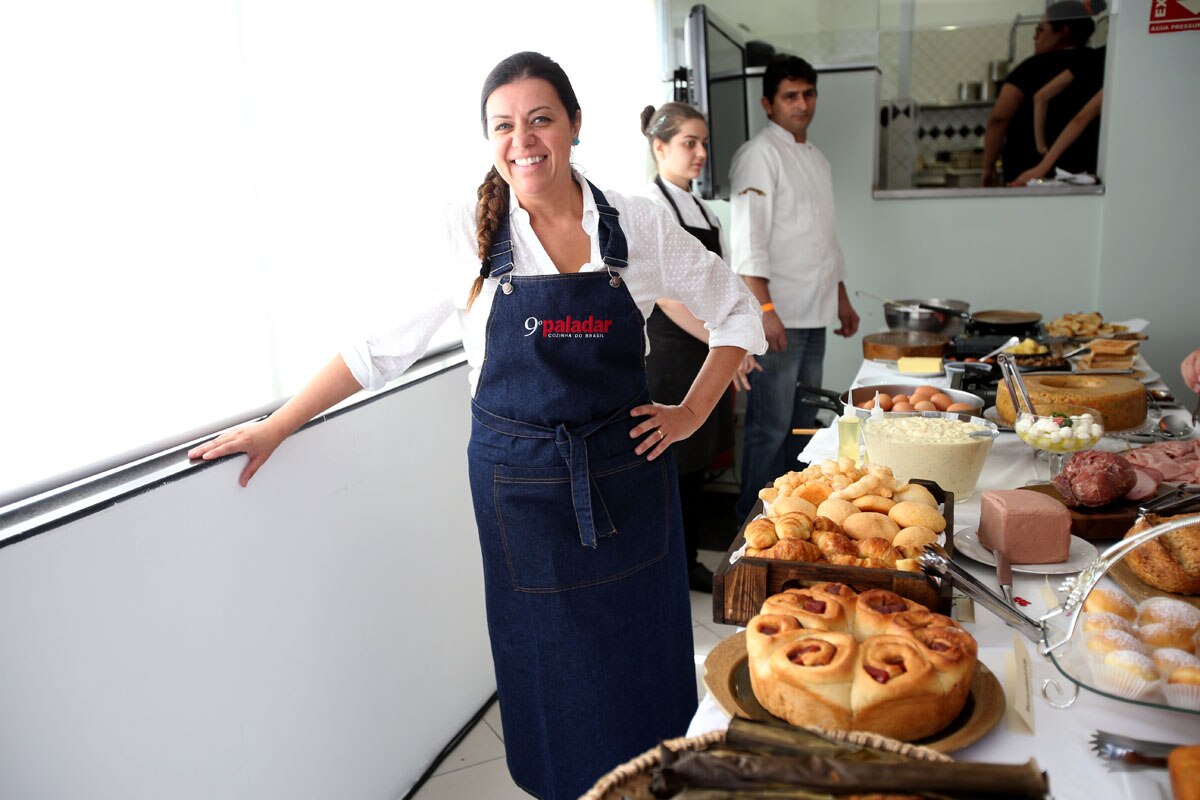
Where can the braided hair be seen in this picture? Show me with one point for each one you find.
(493, 192)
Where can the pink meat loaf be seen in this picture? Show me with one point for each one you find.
(1029, 527)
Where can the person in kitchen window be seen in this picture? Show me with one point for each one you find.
(1059, 42)
(785, 247)
(678, 137)
(573, 486)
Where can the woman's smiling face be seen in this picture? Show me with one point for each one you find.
(531, 136)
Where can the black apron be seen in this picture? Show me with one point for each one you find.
(676, 357)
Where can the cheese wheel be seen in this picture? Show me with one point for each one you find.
(1121, 401)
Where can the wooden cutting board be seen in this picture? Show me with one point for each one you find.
(897, 344)
(1107, 523)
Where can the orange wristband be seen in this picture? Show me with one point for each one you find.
(768, 307)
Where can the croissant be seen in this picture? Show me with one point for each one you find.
(833, 543)
(793, 525)
(878, 549)
(796, 550)
(760, 534)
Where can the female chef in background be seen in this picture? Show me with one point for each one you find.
(577, 508)
(1059, 42)
(678, 137)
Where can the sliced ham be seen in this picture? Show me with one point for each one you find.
(1146, 483)
(1175, 461)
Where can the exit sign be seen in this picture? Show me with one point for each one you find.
(1169, 16)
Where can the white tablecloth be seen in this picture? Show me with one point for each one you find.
(1060, 742)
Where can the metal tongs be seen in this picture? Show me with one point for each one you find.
(1016, 386)
(934, 561)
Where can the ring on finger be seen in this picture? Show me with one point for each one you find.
(661, 436)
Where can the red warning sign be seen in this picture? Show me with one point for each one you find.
(1169, 16)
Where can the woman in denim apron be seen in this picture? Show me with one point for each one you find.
(573, 488)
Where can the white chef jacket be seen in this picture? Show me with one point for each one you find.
(693, 210)
(664, 261)
(783, 226)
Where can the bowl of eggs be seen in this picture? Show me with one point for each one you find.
(903, 397)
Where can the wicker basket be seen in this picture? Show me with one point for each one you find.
(631, 780)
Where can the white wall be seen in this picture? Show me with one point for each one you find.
(1150, 236)
(319, 634)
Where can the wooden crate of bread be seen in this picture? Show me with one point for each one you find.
(740, 588)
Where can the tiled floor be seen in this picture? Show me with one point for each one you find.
(476, 767)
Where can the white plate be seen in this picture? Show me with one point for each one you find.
(888, 380)
(1150, 376)
(992, 415)
(937, 374)
(1081, 554)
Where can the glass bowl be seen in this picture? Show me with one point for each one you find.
(1058, 429)
(934, 445)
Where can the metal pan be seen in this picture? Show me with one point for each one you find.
(1003, 321)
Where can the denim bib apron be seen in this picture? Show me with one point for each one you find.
(587, 600)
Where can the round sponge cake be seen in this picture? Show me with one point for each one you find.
(1121, 401)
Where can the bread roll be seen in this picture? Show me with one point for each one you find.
(908, 513)
(793, 504)
(915, 493)
(1167, 660)
(873, 502)
(1186, 675)
(815, 492)
(896, 691)
(1171, 611)
(1165, 634)
(813, 612)
(810, 679)
(868, 525)
(1110, 601)
(838, 593)
(837, 510)
(1103, 621)
(876, 608)
(1106, 642)
(768, 495)
(910, 540)
(908, 621)
(764, 632)
(953, 653)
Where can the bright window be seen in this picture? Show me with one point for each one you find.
(200, 202)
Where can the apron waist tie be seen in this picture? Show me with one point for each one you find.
(593, 520)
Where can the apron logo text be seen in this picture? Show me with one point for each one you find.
(590, 328)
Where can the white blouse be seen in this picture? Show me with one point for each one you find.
(695, 212)
(664, 261)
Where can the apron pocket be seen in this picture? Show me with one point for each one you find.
(540, 533)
